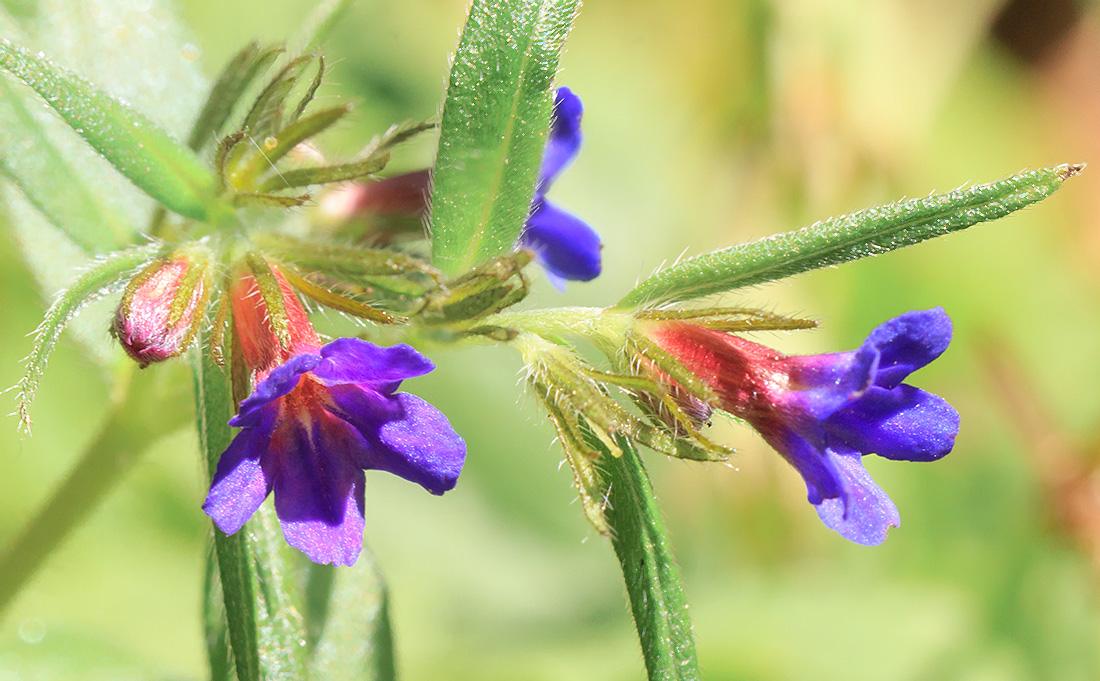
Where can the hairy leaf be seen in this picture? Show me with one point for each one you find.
(850, 237)
(147, 156)
(495, 121)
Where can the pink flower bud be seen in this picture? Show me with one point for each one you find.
(162, 308)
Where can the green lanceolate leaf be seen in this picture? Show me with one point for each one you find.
(146, 155)
(289, 137)
(40, 168)
(234, 80)
(103, 277)
(495, 121)
(351, 623)
(652, 579)
(858, 235)
(281, 633)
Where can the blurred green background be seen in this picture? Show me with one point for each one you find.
(708, 122)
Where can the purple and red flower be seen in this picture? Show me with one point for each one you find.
(317, 417)
(823, 413)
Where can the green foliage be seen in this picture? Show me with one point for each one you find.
(652, 579)
(146, 155)
(77, 211)
(354, 640)
(850, 237)
(98, 280)
(495, 121)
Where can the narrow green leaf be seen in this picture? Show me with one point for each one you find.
(302, 177)
(146, 155)
(139, 415)
(291, 136)
(652, 579)
(214, 622)
(213, 409)
(34, 164)
(838, 240)
(355, 637)
(495, 121)
(234, 80)
(266, 115)
(103, 277)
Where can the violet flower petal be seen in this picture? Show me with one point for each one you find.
(351, 360)
(904, 423)
(565, 137)
(404, 435)
(282, 379)
(908, 342)
(565, 245)
(818, 472)
(866, 512)
(319, 488)
(240, 482)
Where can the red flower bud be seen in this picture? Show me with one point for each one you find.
(400, 195)
(269, 319)
(162, 308)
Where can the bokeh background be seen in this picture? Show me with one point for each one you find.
(708, 122)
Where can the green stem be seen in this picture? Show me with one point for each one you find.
(213, 408)
(136, 419)
(652, 579)
(556, 321)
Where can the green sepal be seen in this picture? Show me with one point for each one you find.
(335, 301)
(289, 137)
(266, 115)
(311, 91)
(272, 294)
(850, 237)
(341, 260)
(484, 290)
(269, 200)
(729, 319)
(144, 154)
(303, 177)
(495, 120)
(577, 441)
(101, 278)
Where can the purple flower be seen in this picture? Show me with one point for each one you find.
(309, 429)
(565, 245)
(822, 413)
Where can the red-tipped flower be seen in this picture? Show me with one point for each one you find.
(316, 418)
(824, 412)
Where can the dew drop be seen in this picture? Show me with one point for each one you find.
(32, 630)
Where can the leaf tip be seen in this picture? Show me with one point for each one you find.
(1068, 170)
